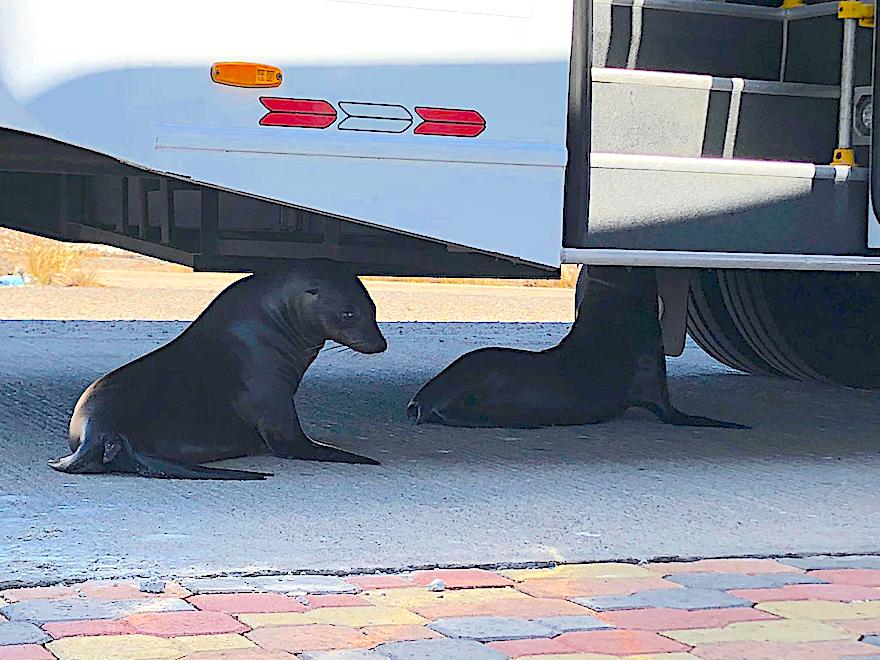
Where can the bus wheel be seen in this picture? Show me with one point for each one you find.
(818, 326)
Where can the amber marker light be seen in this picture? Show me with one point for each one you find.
(245, 74)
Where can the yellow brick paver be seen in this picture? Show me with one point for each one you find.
(575, 571)
(353, 617)
(117, 647)
(764, 631)
(602, 656)
(822, 610)
(660, 656)
(570, 656)
(198, 643)
(409, 597)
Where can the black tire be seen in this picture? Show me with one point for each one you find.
(817, 326)
(711, 326)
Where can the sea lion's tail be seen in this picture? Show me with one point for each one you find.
(94, 456)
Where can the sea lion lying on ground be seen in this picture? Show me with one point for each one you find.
(611, 359)
(224, 388)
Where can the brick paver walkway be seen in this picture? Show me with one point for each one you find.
(717, 609)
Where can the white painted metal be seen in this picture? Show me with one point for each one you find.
(689, 259)
(132, 80)
(847, 73)
(873, 223)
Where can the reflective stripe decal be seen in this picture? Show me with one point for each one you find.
(374, 117)
(371, 117)
(297, 113)
(450, 122)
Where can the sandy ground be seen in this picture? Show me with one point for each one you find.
(171, 295)
(803, 479)
(137, 288)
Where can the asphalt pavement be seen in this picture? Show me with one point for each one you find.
(802, 480)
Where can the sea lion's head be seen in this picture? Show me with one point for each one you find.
(338, 307)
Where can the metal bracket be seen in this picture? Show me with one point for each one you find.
(844, 157)
(673, 286)
(863, 12)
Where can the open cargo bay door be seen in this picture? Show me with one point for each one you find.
(441, 119)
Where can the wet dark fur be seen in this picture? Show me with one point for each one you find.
(224, 388)
(612, 359)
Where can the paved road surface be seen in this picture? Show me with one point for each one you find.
(803, 480)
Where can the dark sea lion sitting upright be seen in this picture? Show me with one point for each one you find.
(612, 359)
(224, 388)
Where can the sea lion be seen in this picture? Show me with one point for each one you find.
(611, 359)
(224, 388)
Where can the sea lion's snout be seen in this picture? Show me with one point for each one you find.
(369, 343)
(372, 347)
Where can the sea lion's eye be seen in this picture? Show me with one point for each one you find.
(347, 316)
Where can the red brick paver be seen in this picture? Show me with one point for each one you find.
(336, 600)
(859, 576)
(461, 578)
(25, 652)
(60, 629)
(174, 624)
(619, 642)
(779, 651)
(379, 581)
(839, 592)
(663, 618)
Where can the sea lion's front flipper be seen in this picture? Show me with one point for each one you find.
(318, 451)
(285, 438)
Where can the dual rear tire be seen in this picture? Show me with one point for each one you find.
(813, 326)
(816, 326)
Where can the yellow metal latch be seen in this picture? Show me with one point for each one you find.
(844, 157)
(791, 4)
(862, 11)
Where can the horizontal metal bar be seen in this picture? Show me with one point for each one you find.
(733, 9)
(87, 234)
(735, 166)
(640, 78)
(745, 260)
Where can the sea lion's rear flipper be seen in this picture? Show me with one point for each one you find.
(678, 418)
(96, 456)
(161, 468)
(87, 459)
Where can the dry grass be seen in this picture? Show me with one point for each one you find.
(51, 262)
(566, 281)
